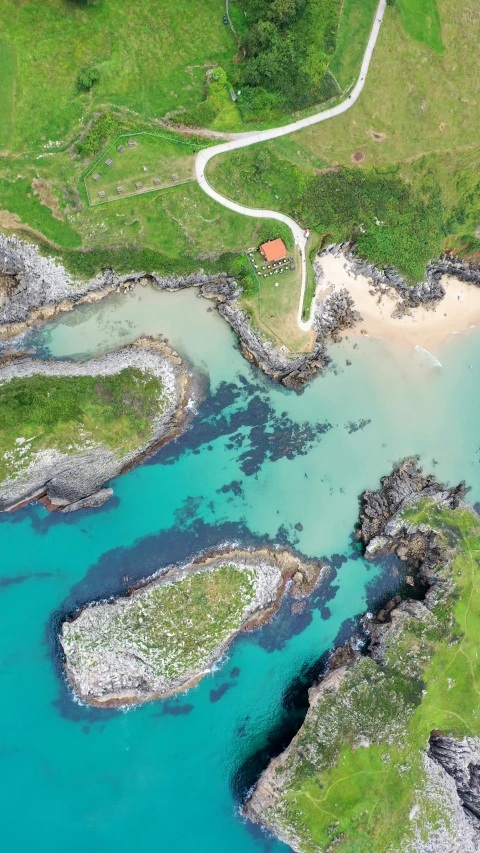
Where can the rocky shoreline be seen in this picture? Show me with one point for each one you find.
(34, 288)
(75, 480)
(426, 293)
(120, 652)
(451, 766)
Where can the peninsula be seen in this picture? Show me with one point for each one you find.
(165, 636)
(66, 428)
(388, 757)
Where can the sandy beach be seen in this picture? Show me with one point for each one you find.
(456, 313)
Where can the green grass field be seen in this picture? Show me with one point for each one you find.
(274, 300)
(421, 20)
(354, 27)
(152, 158)
(8, 63)
(357, 769)
(49, 411)
(151, 57)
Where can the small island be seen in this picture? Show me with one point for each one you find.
(66, 428)
(165, 636)
(388, 758)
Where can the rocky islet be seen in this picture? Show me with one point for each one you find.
(164, 636)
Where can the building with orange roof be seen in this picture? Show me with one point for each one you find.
(274, 250)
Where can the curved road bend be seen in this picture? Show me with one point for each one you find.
(242, 140)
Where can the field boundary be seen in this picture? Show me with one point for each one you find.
(143, 191)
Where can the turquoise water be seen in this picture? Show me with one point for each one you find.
(256, 461)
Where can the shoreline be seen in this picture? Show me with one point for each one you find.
(68, 482)
(350, 294)
(284, 567)
(385, 312)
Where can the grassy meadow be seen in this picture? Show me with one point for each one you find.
(272, 300)
(8, 64)
(356, 19)
(53, 411)
(151, 59)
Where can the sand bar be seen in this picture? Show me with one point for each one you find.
(456, 313)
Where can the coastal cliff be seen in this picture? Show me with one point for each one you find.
(69, 427)
(166, 635)
(384, 760)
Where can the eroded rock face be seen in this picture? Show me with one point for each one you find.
(406, 484)
(383, 527)
(461, 760)
(40, 288)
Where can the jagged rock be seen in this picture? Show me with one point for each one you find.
(461, 760)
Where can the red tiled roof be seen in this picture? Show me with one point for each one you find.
(274, 250)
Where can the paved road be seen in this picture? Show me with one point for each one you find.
(242, 140)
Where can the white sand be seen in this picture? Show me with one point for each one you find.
(457, 312)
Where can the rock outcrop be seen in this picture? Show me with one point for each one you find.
(165, 636)
(74, 479)
(461, 760)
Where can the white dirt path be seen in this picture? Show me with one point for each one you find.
(243, 140)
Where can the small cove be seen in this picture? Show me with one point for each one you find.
(256, 461)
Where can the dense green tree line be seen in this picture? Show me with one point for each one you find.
(288, 46)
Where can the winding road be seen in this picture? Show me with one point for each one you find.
(242, 140)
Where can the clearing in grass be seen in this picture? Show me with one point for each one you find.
(140, 163)
(421, 20)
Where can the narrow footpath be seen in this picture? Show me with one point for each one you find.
(242, 140)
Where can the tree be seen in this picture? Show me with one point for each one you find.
(87, 78)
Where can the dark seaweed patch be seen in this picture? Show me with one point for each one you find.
(235, 487)
(6, 582)
(217, 693)
(173, 709)
(355, 426)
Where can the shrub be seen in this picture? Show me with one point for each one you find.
(87, 78)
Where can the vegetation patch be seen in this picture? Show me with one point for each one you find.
(391, 221)
(174, 627)
(71, 413)
(151, 59)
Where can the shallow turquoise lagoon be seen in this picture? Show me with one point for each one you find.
(255, 462)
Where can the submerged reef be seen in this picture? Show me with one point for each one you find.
(388, 757)
(165, 636)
